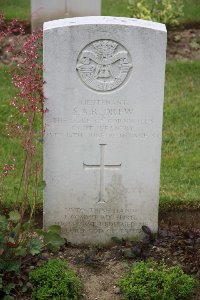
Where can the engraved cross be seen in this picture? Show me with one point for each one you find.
(102, 166)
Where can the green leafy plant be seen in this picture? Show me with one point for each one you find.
(24, 125)
(17, 236)
(164, 11)
(152, 281)
(54, 281)
(18, 240)
(52, 238)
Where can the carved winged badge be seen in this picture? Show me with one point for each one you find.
(104, 65)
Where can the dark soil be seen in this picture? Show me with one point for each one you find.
(100, 269)
(184, 44)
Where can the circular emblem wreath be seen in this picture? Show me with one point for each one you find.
(104, 65)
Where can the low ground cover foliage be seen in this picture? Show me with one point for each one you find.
(17, 240)
(55, 280)
(163, 11)
(18, 237)
(152, 281)
(22, 123)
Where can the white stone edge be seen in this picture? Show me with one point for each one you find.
(103, 20)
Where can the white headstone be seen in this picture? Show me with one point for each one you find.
(46, 10)
(105, 88)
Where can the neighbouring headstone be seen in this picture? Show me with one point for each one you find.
(102, 148)
(46, 10)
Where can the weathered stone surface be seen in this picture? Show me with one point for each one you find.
(105, 88)
(47, 10)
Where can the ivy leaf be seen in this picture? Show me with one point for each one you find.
(53, 240)
(3, 223)
(35, 246)
(8, 297)
(55, 228)
(40, 232)
(20, 251)
(13, 266)
(2, 219)
(27, 225)
(14, 216)
(8, 288)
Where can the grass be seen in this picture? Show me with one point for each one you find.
(115, 8)
(20, 9)
(180, 180)
(11, 150)
(9, 147)
(191, 11)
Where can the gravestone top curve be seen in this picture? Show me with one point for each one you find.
(100, 20)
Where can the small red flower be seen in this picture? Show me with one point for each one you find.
(11, 245)
(7, 169)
